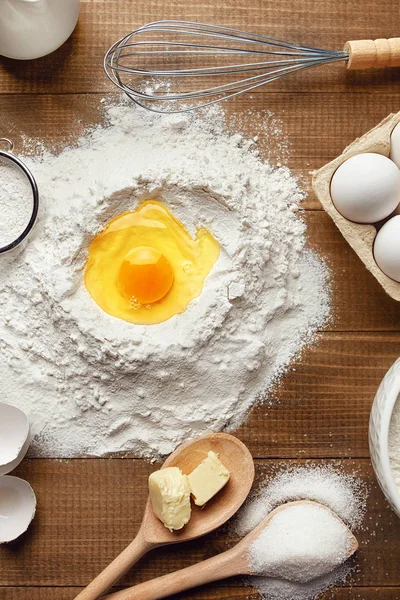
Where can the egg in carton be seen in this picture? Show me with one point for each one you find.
(360, 236)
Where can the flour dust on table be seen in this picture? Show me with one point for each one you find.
(95, 384)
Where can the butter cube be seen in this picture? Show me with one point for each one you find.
(170, 497)
(208, 478)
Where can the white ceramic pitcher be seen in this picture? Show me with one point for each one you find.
(33, 28)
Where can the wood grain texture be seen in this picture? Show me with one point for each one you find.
(319, 125)
(151, 534)
(82, 524)
(77, 66)
(225, 565)
(321, 407)
(208, 593)
(89, 509)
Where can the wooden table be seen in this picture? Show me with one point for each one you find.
(89, 509)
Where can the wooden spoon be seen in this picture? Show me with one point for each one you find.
(228, 564)
(152, 533)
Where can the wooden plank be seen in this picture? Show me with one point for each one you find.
(321, 407)
(77, 65)
(359, 302)
(208, 593)
(318, 126)
(88, 510)
(68, 593)
(315, 128)
(323, 403)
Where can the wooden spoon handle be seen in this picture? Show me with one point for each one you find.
(221, 566)
(120, 565)
(365, 54)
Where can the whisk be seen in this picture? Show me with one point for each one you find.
(176, 66)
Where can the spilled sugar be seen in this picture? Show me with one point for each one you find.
(344, 494)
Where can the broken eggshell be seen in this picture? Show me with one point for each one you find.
(17, 507)
(14, 437)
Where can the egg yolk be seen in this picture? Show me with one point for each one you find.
(145, 275)
(145, 267)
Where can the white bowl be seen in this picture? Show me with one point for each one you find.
(17, 507)
(14, 437)
(381, 413)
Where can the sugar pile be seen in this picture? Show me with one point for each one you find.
(394, 442)
(98, 385)
(344, 494)
(16, 202)
(301, 542)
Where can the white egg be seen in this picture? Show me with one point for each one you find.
(14, 437)
(395, 145)
(17, 507)
(387, 248)
(366, 188)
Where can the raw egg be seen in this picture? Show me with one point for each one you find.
(145, 267)
(366, 188)
(387, 248)
(395, 145)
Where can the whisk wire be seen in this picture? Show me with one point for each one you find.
(141, 67)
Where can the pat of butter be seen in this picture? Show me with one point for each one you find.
(170, 497)
(208, 479)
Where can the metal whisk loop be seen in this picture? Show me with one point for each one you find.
(176, 66)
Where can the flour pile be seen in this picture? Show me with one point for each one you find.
(99, 385)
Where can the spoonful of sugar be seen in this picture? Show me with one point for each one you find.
(298, 541)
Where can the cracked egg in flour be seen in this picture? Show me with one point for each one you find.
(144, 267)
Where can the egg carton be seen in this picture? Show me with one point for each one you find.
(360, 236)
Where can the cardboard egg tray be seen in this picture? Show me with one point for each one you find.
(360, 237)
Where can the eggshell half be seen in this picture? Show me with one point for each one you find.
(14, 434)
(17, 507)
(387, 248)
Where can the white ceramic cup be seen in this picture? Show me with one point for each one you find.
(33, 28)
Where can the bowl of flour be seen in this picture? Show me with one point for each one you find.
(384, 436)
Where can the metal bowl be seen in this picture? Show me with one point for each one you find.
(35, 195)
(381, 413)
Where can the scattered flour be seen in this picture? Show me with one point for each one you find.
(16, 202)
(302, 542)
(96, 385)
(344, 494)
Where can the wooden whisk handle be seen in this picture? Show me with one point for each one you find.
(367, 54)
